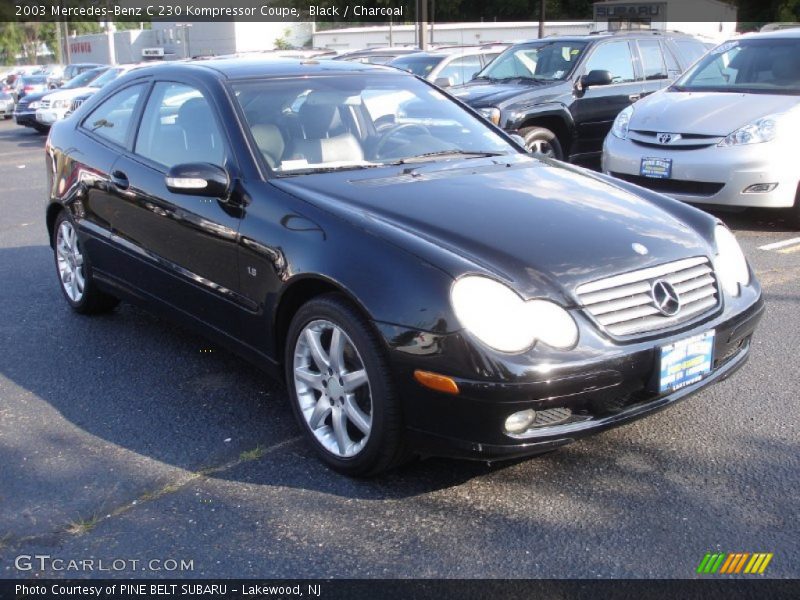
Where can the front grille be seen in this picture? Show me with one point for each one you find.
(624, 305)
(673, 186)
(686, 141)
(44, 104)
(75, 104)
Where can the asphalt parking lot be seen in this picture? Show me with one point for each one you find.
(125, 438)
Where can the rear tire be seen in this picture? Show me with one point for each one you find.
(341, 389)
(74, 270)
(542, 141)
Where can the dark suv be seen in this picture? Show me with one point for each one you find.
(561, 94)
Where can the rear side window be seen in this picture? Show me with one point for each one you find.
(178, 126)
(461, 70)
(691, 50)
(614, 57)
(652, 60)
(112, 119)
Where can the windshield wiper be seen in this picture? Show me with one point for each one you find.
(523, 78)
(308, 170)
(449, 154)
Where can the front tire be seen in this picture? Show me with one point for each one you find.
(341, 389)
(542, 141)
(75, 272)
(793, 217)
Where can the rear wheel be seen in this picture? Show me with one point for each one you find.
(542, 141)
(75, 272)
(341, 389)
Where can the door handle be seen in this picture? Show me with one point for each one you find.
(634, 97)
(120, 180)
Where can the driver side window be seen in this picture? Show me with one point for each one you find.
(179, 126)
(614, 57)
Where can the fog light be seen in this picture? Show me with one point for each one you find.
(760, 188)
(520, 421)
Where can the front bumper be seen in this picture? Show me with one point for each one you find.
(600, 392)
(26, 118)
(710, 175)
(48, 116)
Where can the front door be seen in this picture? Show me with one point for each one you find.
(184, 248)
(597, 106)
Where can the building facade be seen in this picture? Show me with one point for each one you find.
(175, 41)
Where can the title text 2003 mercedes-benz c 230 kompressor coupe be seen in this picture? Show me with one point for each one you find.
(425, 286)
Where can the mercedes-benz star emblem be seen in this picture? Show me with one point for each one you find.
(665, 298)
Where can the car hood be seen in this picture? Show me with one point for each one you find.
(541, 226)
(486, 93)
(70, 94)
(705, 113)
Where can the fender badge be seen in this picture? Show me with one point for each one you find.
(639, 248)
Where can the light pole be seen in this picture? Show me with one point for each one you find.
(183, 28)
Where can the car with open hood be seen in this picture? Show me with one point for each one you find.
(420, 282)
(725, 134)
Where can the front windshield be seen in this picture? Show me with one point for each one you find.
(358, 121)
(766, 66)
(83, 79)
(548, 61)
(418, 65)
(105, 78)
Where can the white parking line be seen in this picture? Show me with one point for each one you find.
(776, 245)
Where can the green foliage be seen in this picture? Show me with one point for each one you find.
(282, 43)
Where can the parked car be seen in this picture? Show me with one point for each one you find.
(6, 105)
(29, 84)
(25, 111)
(448, 66)
(430, 288)
(56, 80)
(561, 94)
(55, 106)
(725, 134)
(375, 56)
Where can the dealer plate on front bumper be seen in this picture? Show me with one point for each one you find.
(657, 168)
(685, 362)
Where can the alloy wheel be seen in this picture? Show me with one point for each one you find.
(70, 262)
(542, 147)
(332, 388)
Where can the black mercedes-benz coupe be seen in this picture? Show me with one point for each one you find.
(424, 286)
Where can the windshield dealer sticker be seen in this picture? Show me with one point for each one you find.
(724, 47)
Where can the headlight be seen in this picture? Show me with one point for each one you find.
(620, 127)
(731, 265)
(60, 104)
(492, 114)
(499, 318)
(759, 131)
(33, 105)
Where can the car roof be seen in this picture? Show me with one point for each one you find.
(609, 35)
(243, 68)
(778, 34)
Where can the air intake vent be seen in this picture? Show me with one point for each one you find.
(651, 299)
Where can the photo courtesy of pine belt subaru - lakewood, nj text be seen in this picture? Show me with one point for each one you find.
(423, 285)
(726, 133)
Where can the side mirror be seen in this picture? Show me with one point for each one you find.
(199, 179)
(443, 82)
(596, 77)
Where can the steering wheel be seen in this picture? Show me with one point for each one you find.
(387, 135)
